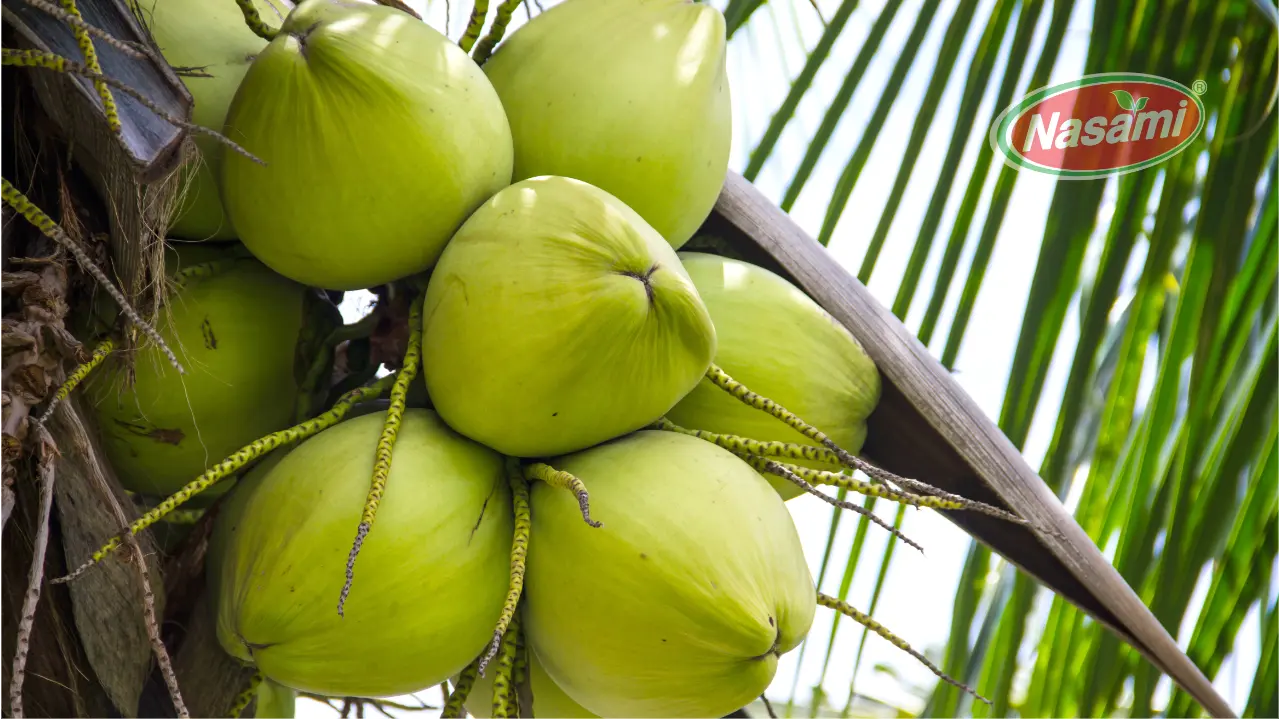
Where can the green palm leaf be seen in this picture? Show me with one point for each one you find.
(1167, 278)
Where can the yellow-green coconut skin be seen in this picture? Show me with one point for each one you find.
(558, 319)
(213, 37)
(628, 95)
(682, 602)
(549, 701)
(429, 582)
(235, 333)
(275, 701)
(777, 341)
(380, 136)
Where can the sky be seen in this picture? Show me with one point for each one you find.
(762, 60)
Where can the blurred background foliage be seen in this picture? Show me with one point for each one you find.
(1164, 424)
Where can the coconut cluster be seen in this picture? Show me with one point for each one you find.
(540, 201)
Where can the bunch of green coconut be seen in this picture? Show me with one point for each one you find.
(584, 513)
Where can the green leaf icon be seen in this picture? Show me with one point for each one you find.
(1142, 102)
(1124, 99)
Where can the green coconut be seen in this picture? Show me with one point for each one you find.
(549, 701)
(628, 95)
(235, 333)
(777, 341)
(275, 701)
(557, 319)
(380, 137)
(211, 37)
(429, 583)
(681, 604)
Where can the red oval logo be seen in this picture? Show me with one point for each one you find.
(1099, 125)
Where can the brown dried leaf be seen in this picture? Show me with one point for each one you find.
(107, 602)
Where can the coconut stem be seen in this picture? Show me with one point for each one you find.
(496, 31)
(765, 465)
(233, 463)
(246, 696)
(865, 620)
(565, 481)
(522, 697)
(77, 376)
(469, 36)
(57, 63)
(722, 380)
(45, 224)
(466, 680)
(503, 700)
(255, 21)
(519, 551)
(386, 443)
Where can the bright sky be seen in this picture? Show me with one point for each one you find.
(917, 602)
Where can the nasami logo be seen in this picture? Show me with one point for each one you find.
(1099, 125)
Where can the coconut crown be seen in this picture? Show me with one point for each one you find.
(380, 136)
(777, 341)
(432, 574)
(236, 332)
(557, 319)
(681, 603)
(629, 95)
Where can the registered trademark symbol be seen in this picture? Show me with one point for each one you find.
(1199, 87)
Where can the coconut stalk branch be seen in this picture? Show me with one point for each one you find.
(722, 380)
(757, 453)
(765, 465)
(499, 28)
(472, 32)
(35, 577)
(77, 23)
(77, 376)
(503, 699)
(85, 41)
(233, 463)
(45, 224)
(763, 448)
(822, 477)
(410, 12)
(148, 146)
(519, 552)
(927, 426)
(564, 481)
(520, 677)
(866, 621)
(56, 63)
(794, 451)
(246, 696)
(453, 706)
(255, 21)
(153, 630)
(387, 442)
